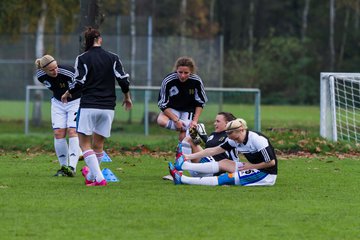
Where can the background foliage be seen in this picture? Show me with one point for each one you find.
(279, 46)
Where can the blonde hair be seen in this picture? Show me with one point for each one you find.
(44, 61)
(238, 123)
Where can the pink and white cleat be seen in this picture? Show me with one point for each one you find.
(103, 183)
(85, 171)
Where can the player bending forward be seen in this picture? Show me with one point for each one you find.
(260, 170)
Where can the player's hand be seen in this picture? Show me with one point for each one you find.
(65, 96)
(193, 124)
(180, 125)
(127, 103)
(246, 166)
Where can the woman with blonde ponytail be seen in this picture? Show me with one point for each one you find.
(57, 79)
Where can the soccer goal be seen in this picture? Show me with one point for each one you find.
(340, 106)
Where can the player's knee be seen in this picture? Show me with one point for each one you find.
(60, 133)
(226, 179)
(161, 121)
(72, 132)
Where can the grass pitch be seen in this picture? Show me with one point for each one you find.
(312, 199)
(315, 196)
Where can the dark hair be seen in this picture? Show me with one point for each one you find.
(185, 62)
(90, 35)
(228, 116)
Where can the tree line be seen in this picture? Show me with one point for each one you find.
(279, 46)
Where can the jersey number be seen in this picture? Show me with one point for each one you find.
(75, 116)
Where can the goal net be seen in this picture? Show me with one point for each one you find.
(340, 106)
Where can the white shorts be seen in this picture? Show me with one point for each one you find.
(91, 120)
(185, 117)
(254, 177)
(63, 115)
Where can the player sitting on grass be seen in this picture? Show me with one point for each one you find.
(191, 144)
(260, 170)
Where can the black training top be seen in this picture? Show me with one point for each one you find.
(216, 139)
(95, 73)
(182, 96)
(59, 84)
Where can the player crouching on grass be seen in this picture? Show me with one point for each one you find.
(260, 170)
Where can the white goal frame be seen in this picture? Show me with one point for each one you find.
(340, 106)
(147, 90)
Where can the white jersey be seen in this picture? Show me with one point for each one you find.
(256, 148)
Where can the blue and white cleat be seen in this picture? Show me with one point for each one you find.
(179, 162)
(175, 174)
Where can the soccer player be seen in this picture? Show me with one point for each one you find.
(181, 98)
(63, 116)
(260, 170)
(96, 72)
(190, 145)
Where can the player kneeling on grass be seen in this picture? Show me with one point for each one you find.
(260, 170)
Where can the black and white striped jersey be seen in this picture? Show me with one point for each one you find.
(59, 84)
(95, 73)
(182, 96)
(216, 139)
(256, 148)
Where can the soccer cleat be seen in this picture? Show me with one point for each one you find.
(179, 162)
(193, 132)
(85, 171)
(196, 140)
(175, 174)
(168, 177)
(178, 150)
(68, 171)
(60, 173)
(200, 128)
(100, 184)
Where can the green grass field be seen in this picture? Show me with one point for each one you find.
(312, 199)
(315, 196)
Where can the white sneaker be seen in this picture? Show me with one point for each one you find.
(200, 128)
(168, 177)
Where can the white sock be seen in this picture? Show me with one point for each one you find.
(61, 149)
(209, 181)
(208, 167)
(186, 147)
(74, 152)
(92, 163)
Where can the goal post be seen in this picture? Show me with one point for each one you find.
(145, 103)
(340, 106)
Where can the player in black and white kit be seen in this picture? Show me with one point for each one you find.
(260, 170)
(181, 98)
(95, 76)
(216, 138)
(63, 116)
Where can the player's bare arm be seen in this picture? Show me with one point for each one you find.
(204, 153)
